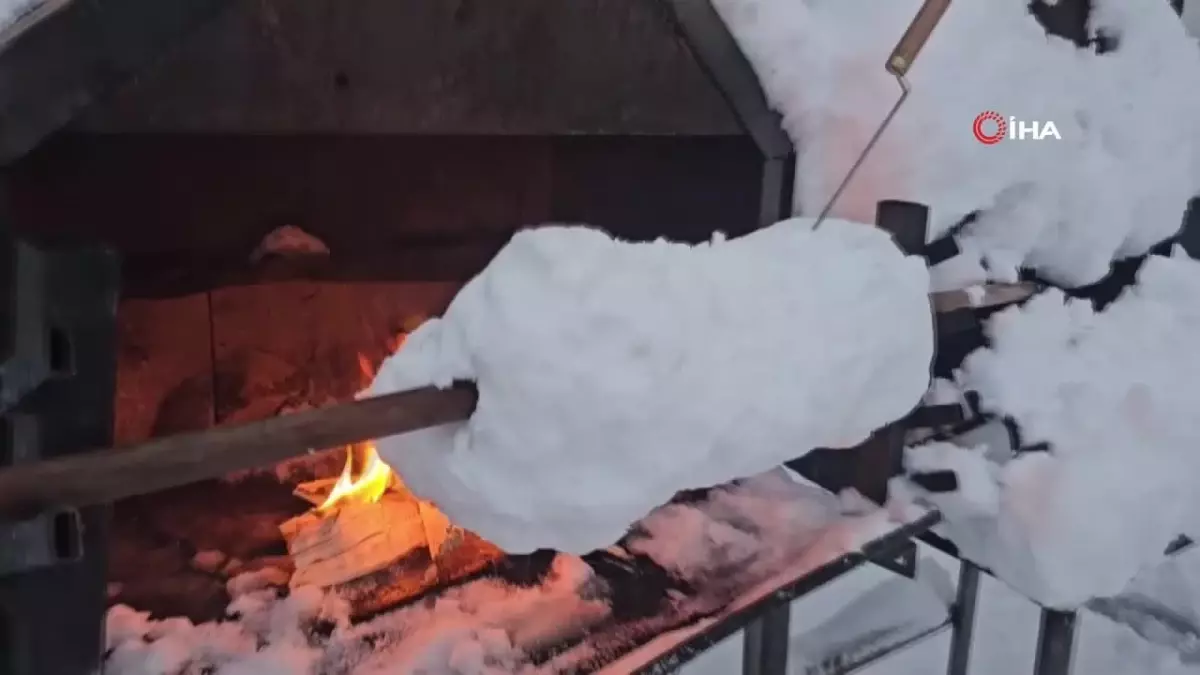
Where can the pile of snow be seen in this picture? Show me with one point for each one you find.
(720, 548)
(484, 628)
(1113, 393)
(756, 527)
(612, 375)
(1117, 183)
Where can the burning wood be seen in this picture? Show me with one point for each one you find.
(359, 526)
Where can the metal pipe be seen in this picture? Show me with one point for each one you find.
(765, 643)
(1056, 643)
(963, 618)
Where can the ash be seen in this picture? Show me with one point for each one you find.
(686, 561)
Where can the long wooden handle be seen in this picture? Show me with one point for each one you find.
(106, 475)
(916, 36)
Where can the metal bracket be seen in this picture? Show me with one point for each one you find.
(42, 541)
(904, 563)
(32, 351)
(57, 372)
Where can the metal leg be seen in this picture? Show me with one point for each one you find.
(963, 616)
(765, 643)
(1056, 643)
(778, 184)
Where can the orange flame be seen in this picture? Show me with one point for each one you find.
(365, 477)
(364, 485)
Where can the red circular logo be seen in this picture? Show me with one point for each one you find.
(984, 122)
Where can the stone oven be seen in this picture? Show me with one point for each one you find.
(291, 187)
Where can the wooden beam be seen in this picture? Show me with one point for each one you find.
(63, 54)
(103, 476)
(180, 274)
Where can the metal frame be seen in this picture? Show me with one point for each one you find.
(58, 379)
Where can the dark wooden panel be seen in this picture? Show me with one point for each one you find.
(643, 188)
(61, 55)
(187, 211)
(427, 66)
(203, 195)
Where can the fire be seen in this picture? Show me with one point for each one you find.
(364, 478)
(367, 521)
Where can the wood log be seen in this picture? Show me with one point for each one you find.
(106, 475)
(352, 540)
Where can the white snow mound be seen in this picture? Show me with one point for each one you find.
(1116, 183)
(1114, 394)
(612, 375)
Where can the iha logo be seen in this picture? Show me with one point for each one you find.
(990, 128)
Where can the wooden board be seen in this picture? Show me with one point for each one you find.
(427, 67)
(59, 56)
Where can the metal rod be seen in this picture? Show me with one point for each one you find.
(862, 157)
(1056, 643)
(963, 617)
(765, 643)
(898, 64)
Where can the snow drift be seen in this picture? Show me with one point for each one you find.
(1116, 184)
(1108, 392)
(1113, 395)
(612, 375)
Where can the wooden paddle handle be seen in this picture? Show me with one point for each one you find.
(106, 475)
(916, 36)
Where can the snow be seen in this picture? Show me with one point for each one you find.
(1109, 392)
(612, 375)
(490, 627)
(1117, 183)
(731, 548)
(11, 10)
(1112, 392)
(1006, 627)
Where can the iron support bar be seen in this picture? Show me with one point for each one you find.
(58, 368)
(1056, 642)
(765, 651)
(962, 615)
(722, 59)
